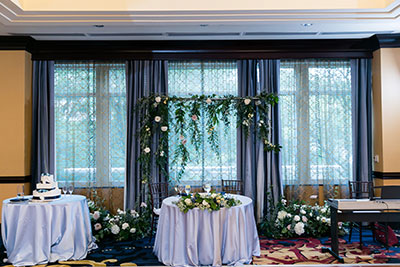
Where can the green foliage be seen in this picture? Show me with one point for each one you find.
(158, 114)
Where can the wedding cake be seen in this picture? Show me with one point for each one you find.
(47, 189)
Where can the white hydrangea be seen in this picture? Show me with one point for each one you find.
(282, 214)
(299, 228)
(115, 229)
(297, 218)
(125, 226)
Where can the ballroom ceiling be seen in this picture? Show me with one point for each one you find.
(198, 20)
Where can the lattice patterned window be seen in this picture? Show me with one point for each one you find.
(316, 122)
(90, 123)
(186, 78)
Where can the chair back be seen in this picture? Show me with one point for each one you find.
(232, 186)
(158, 192)
(359, 189)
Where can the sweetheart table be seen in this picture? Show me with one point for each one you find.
(199, 237)
(41, 232)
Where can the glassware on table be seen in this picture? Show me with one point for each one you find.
(70, 189)
(207, 188)
(65, 189)
(20, 191)
(187, 189)
(176, 189)
(180, 189)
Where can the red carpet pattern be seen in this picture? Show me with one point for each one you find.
(308, 251)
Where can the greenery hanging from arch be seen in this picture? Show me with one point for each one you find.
(157, 118)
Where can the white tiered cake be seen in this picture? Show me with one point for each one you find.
(47, 189)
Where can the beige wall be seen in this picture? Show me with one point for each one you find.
(15, 119)
(386, 94)
(15, 113)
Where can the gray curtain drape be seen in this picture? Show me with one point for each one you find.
(259, 170)
(42, 160)
(362, 118)
(144, 78)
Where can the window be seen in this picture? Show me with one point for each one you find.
(90, 123)
(186, 78)
(316, 122)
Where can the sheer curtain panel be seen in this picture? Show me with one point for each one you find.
(316, 126)
(90, 115)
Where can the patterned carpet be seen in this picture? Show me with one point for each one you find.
(308, 251)
(295, 251)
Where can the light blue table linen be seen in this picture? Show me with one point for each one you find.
(228, 236)
(41, 232)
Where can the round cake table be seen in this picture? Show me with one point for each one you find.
(41, 232)
(228, 236)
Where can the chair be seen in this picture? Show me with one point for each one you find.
(232, 186)
(158, 192)
(359, 190)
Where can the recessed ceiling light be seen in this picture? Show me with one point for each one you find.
(98, 25)
(306, 24)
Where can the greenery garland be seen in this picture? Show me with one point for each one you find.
(159, 113)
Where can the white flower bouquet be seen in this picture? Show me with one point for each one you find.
(210, 202)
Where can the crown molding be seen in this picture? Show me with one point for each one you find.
(388, 40)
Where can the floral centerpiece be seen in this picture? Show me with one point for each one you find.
(210, 202)
(296, 219)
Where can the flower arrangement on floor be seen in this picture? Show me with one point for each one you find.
(210, 202)
(296, 219)
(125, 225)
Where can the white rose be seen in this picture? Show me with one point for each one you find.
(288, 227)
(134, 214)
(323, 219)
(133, 230)
(213, 195)
(158, 99)
(297, 218)
(96, 215)
(125, 226)
(208, 101)
(147, 150)
(188, 201)
(289, 215)
(304, 218)
(299, 228)
(115, 229)
(157, 118)
(143, 205)
(97, 226)
(247, 101)
(323, 210)
(302, 211)
(282, 214)
(164, 128)
(317, 218)
(310, 214)
(205, 203)
(162, 153)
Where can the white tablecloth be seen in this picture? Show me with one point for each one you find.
(40, 232)
(228, 236)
